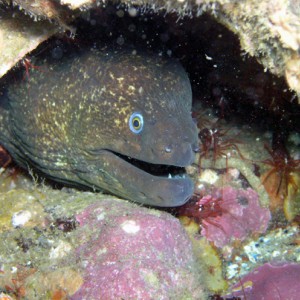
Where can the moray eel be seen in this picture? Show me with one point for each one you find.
(113, 121)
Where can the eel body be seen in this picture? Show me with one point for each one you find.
(114, 121)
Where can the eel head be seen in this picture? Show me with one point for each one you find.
(148, 136)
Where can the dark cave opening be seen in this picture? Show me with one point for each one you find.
(226, 81)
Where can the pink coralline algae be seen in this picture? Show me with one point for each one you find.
(129, 252)
(227, 214)
(270, 282)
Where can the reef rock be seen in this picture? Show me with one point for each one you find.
(270, 281)
(240, 214)
(92, 246)
(134, 254)
(268, 30)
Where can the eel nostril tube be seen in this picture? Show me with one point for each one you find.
(168, 149)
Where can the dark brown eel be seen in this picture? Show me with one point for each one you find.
(113, 121)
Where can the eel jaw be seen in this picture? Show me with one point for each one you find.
(161, 170)
(152, 184)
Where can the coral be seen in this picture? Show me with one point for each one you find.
(136, 254)
(247, 171)
(270, 281)
(241, 215)
(228, 214)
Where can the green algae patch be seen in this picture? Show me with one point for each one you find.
(20, 208)
(152, 279)
(291, 204)
(66, 279)
(39, 230)
(207, 256)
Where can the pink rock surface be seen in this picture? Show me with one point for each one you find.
(234, 214)
(270, 282)
(129, 252)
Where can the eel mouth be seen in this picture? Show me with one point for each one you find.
(160, 170)
(143, 182)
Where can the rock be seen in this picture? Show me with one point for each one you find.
(270, 281)
(135, 254)
(238, 215)
(20, 35)
(89, 245)
(255, 23)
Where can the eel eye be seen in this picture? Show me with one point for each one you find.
(136, 122)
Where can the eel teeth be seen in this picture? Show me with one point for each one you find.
(176, 176)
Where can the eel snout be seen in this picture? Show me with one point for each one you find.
(154, 184)
(181, 157)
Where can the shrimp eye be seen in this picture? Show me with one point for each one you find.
(136, 122)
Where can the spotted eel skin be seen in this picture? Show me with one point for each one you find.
(109, 120)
